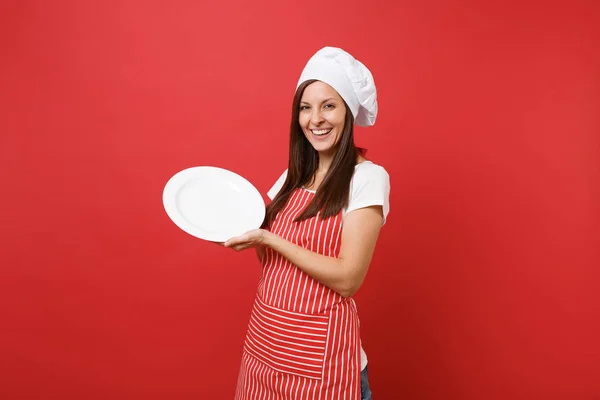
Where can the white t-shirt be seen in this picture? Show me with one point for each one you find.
(370, 186)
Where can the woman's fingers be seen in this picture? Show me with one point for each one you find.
(236, 241)
(242, 246)
(245, 241)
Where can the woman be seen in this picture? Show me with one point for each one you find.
(318, 237)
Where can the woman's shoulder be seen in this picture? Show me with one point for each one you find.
(370, 186)
(369, 170)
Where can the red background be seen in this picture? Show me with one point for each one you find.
(485, 283)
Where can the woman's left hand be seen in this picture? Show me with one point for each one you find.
(253, 238)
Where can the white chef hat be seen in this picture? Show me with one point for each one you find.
(349, 77)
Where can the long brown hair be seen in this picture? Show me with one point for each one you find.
(333, 193)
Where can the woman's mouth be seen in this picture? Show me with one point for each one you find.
(320, 132)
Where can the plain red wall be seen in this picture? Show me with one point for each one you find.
(485, 283)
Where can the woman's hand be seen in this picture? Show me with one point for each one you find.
(254, 238)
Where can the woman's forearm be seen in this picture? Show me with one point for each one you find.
(330, 271)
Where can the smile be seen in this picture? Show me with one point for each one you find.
(320, 132)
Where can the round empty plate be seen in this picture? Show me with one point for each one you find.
(213, 203)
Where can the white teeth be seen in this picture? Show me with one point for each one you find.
(320, 132)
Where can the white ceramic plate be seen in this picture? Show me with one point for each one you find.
(212, 203)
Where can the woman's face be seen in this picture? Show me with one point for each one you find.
(322, 115)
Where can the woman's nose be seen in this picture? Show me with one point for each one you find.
(316, 117)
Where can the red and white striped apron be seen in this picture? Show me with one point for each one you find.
(303, 338)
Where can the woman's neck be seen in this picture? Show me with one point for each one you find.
(325, 161)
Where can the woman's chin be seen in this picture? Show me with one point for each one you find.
(324, 148)
(326, 151)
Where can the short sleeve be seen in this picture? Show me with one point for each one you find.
(370, 187)
(277, 186)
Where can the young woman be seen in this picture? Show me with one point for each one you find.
(318, 237)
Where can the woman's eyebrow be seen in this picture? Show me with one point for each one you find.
(324, 101)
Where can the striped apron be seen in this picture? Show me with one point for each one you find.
(303, 338)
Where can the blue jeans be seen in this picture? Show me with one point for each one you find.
(365, 390)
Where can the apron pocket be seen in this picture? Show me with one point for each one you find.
(289, 342)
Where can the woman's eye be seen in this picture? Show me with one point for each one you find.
(329, 106)
(302, 108)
